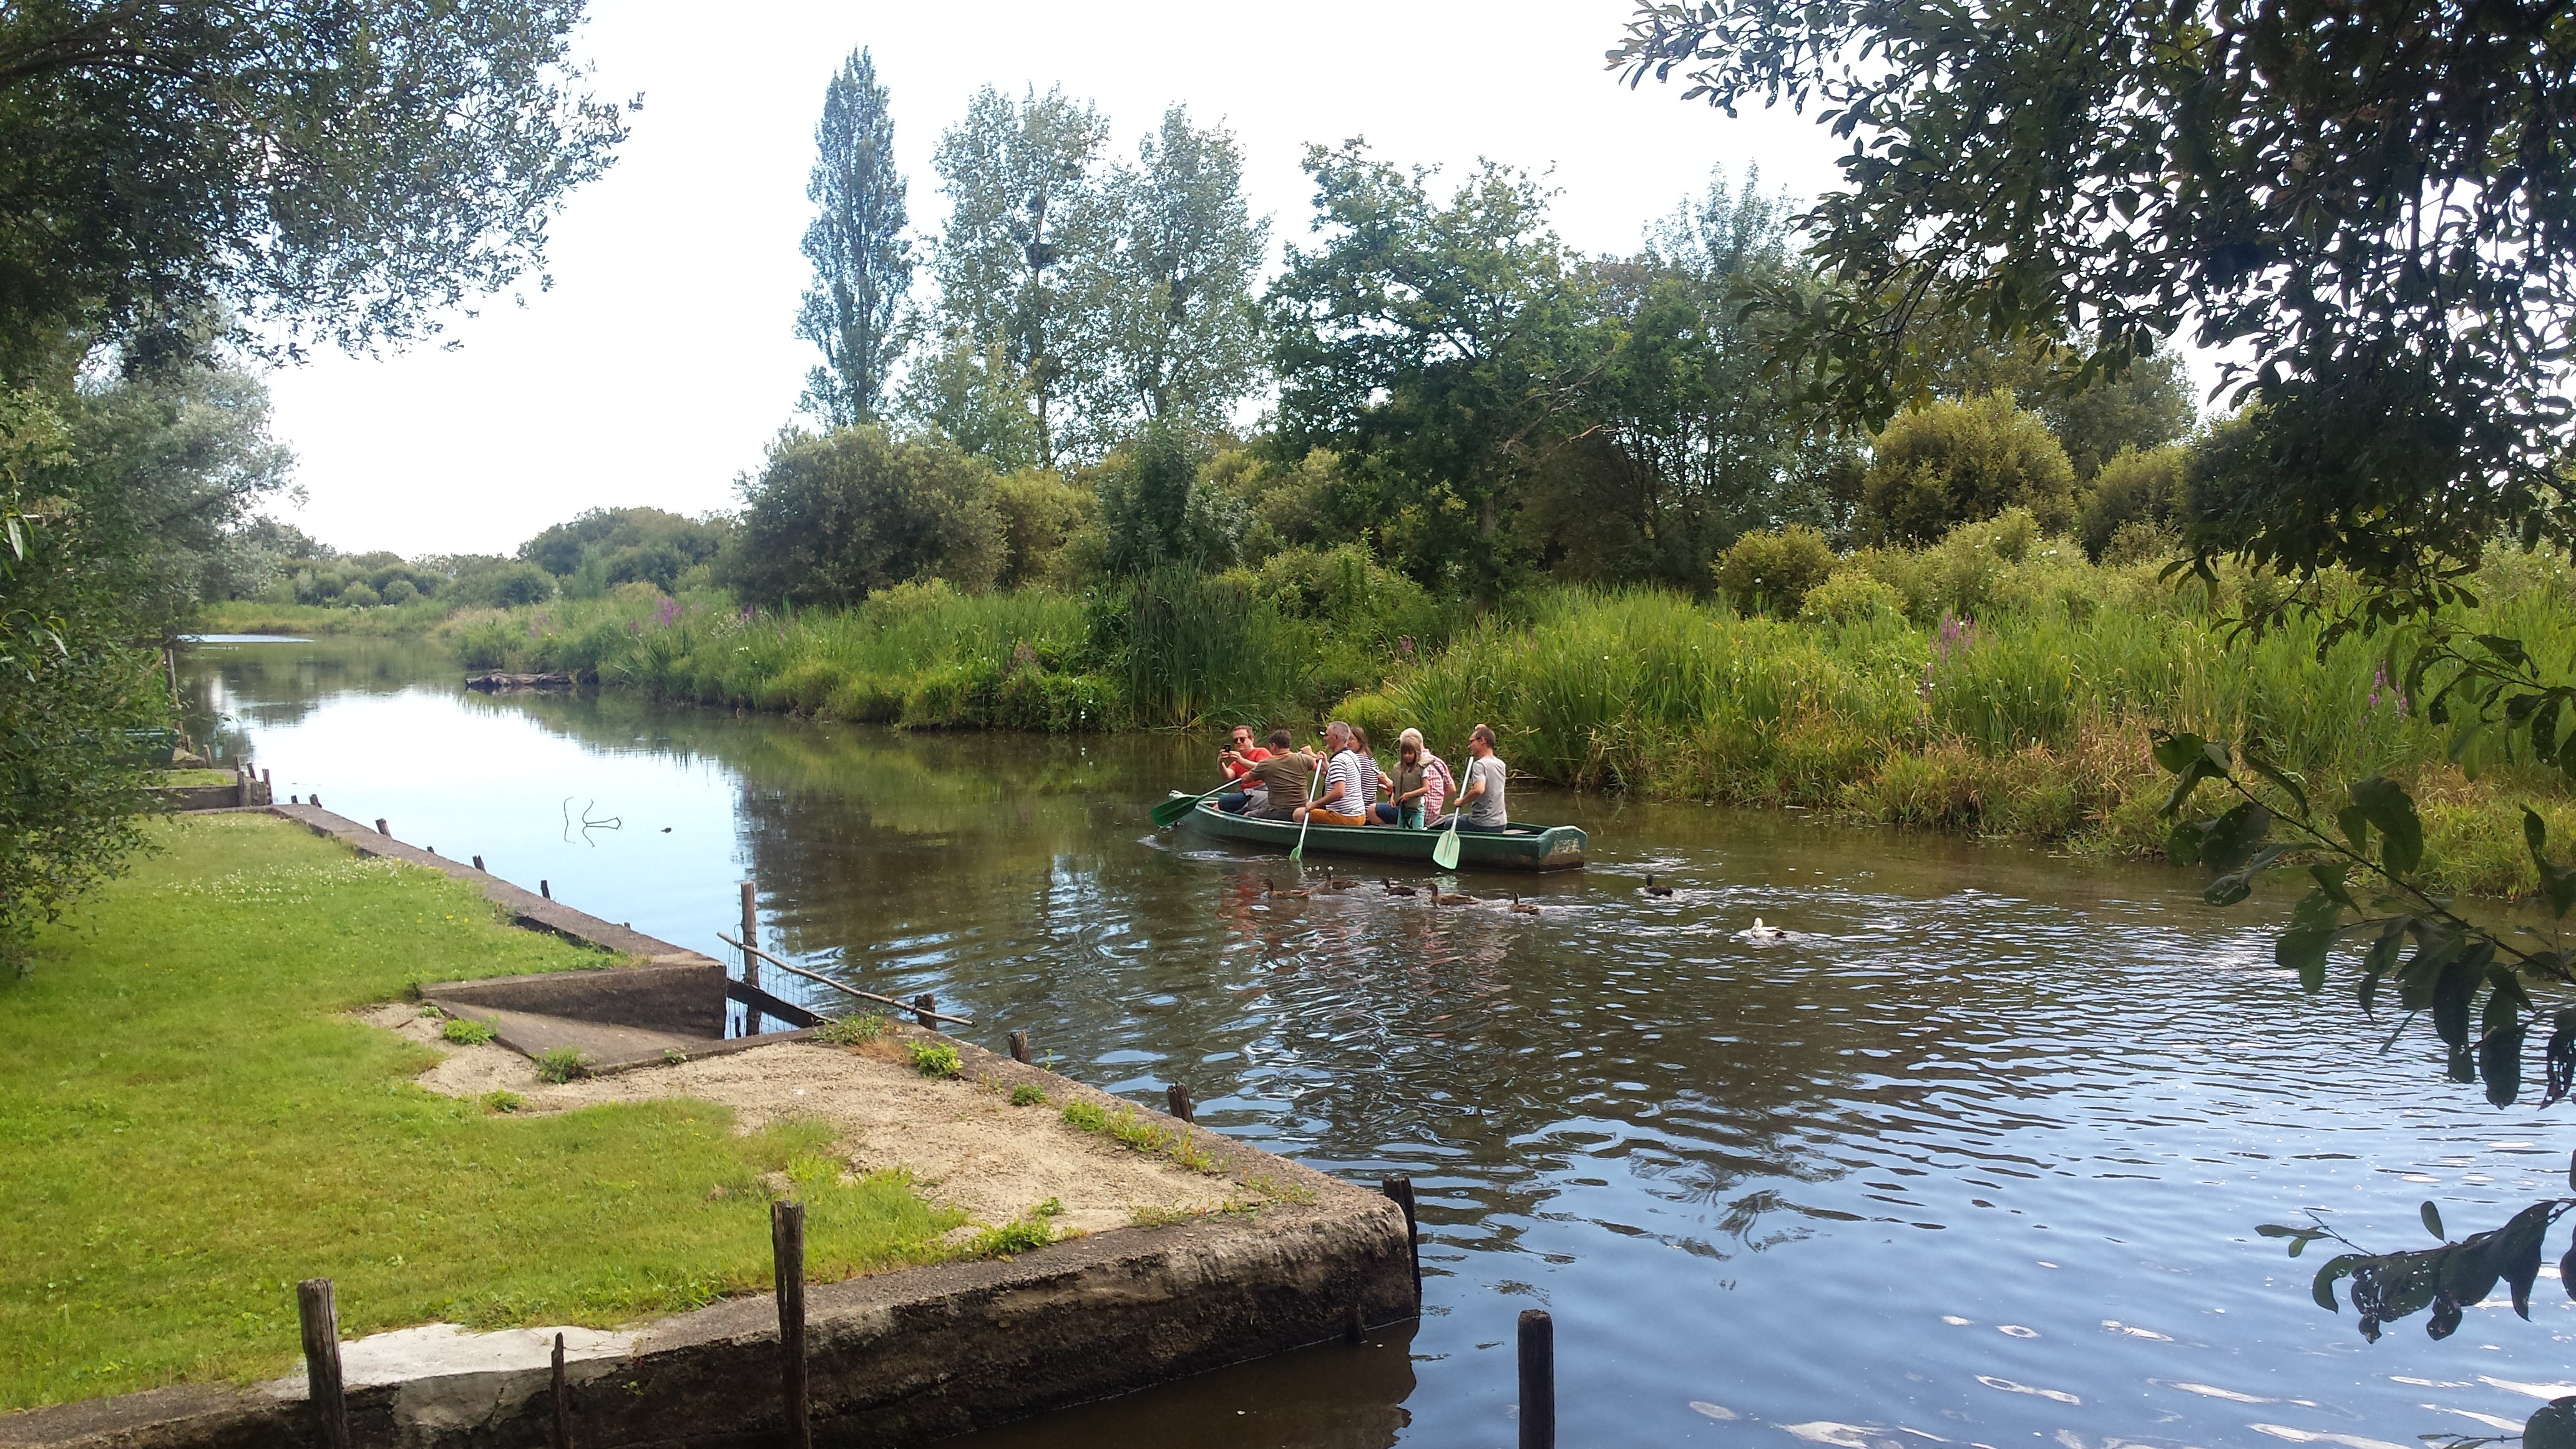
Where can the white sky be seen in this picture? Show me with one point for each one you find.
(665, 357)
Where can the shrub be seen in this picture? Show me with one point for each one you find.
(561, 1064)
(464, 1031)
(835, 518)
(1849, 598)
(1028, 1094)
(2134, 488)
(1771, 570)
(1959, 462)
(356, 595)
(400, 591)
(936, 1059)
(504, 585)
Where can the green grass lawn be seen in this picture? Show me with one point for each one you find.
(189, 1124)
(182, 778)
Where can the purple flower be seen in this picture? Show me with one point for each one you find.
(669, 610)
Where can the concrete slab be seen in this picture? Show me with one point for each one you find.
(603, 1047)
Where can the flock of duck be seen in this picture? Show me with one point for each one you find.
(1334, 884)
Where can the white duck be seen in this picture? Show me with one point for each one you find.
(1761, 932)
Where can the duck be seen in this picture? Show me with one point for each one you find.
(1340, 883)
(1522, 906)
(1653, 889)
(1270, 887)
(1761, 932)
(1391, 888)
(1451, 898)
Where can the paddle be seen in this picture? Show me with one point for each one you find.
(1444, 853)
(1173, 809)
(1298, 855)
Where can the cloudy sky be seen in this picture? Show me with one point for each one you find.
(665, 357)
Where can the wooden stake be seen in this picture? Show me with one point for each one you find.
(563, 1410)
(1179, 1097)
(380, 827)
(1401, 1190)
(751, 945)
(545, 888)
(478, 862)
(787, 1251)
(1020, 1047)
(1538, 1379)
(321, 1320)
(317, 802)
(922, 1007)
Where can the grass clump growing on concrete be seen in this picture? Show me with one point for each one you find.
(856, 1030)
(294, 1144)
(1132, 1131)
(1028, 1094)
(465, 1031)
(560, 1064)
(936, 1059)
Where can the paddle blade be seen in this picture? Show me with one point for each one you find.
(1170, 811)
(1445, 853)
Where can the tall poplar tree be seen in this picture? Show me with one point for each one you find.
(1026, 212)
(862, 263)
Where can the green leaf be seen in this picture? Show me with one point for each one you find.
(2176, 752)
(2336, 1268)
(2329, 878)
(2356, 828)
(2553, 1424)
(2227, 890)
(2392, 810)
(2310, 936)
(2182, 844)
(2290, 785)
(2234, 837)
(2452, 994)
(2432, 1219)
(2535, 834)
(2500, 1067)
(2188, 781)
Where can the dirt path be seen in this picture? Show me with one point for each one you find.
(963, 1142)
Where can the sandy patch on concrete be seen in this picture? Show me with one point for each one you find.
(964, 1143)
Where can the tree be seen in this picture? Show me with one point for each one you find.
(1025, 210)
(976, 399)
(630, 543)
(1180, 330)
(862, 263)
(836, 517)
(72, 683)
(333, 169)
(2368, 207)
(1428, 344)
(1156, 515)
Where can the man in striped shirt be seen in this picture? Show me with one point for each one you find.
(1344, 798)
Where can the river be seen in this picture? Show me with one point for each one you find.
(1975, 1155)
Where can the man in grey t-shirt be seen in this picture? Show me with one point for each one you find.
(1480, 794)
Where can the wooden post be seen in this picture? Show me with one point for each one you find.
(750, 963)
(317, 802)
(563, 1411)
(922, 1007)
(380, 826)
(478, 862)
(1401, 1190)
(545, 888)
(1020, 1047)
(322, 1359)
(787, 1251)
(1179, 1097)
(1538, 1379)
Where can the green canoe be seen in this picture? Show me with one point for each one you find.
(1522, 847)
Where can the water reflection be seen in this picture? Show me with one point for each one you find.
(1975, 1153)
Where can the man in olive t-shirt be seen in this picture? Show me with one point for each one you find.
(1284, 779)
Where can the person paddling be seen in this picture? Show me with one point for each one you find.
(1480, 804)
(1279, 780)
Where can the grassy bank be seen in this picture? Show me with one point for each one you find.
(384, 621)
(2005, 691)
(191, 1125)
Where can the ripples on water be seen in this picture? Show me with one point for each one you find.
(1974, 1155)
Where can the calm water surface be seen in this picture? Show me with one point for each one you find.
(1975, 1156)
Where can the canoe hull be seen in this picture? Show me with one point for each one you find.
(1527, 848)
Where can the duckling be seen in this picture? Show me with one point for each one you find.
(1270, 887)
(1440, 897)
(1761, 932)
(1391, 888)
(1653, 889)
(1340, 883)
(1521, 906)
